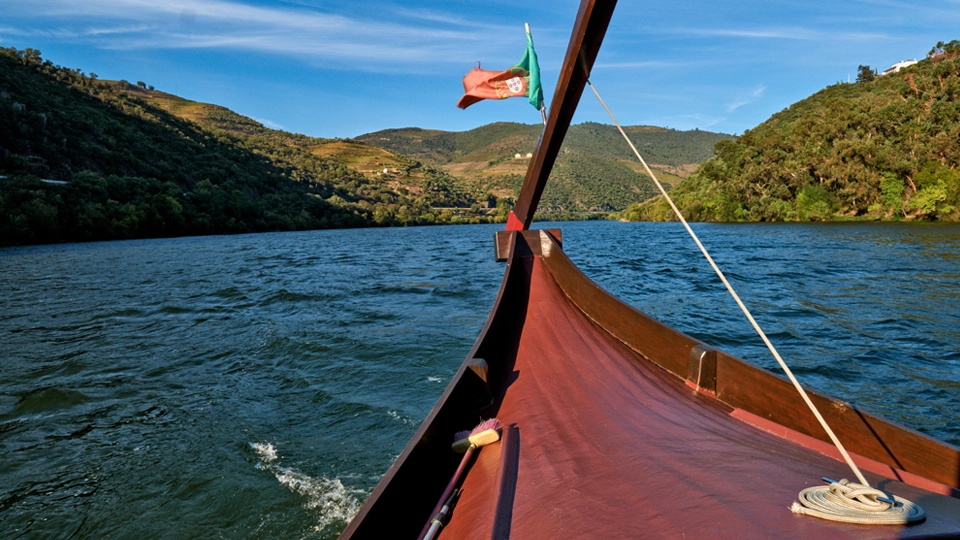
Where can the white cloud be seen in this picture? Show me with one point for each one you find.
(101, 31)
(781, 33)
(365, 41)
(12, 31)
(746, 98)
(770, 33)
(439, 17)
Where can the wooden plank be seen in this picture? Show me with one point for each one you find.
(507, 476)
(502, 239)
(588, 32)
(702, 369)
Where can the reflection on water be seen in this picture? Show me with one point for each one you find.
(259, 385)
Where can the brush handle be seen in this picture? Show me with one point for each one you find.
(437, 521)
(449, 491)
(432, 531)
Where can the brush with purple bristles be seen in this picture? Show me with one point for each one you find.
(485, 433)
(465, 442)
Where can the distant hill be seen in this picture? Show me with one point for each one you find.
(595, 170)
(134, 162)
(89, 159)
(883, 148)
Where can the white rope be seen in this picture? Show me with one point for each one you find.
(733, 293)
(850, 502)
(879, 518)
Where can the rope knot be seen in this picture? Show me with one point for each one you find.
(865, 498)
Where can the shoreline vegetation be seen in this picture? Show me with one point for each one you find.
(139, 163)
(86, 159)
(885, 148)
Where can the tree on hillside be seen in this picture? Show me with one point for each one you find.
(29, 57)
(865, 74)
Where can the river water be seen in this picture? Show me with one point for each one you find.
(258, 386)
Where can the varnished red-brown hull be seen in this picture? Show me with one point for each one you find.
(620, 427)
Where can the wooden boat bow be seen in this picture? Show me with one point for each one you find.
(618, 426)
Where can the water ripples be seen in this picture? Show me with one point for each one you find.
(142, 380)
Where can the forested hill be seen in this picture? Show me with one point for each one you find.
(86, 159)
(595, 170)
(883, 148)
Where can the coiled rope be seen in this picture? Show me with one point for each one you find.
(760, 332)
(850, 502)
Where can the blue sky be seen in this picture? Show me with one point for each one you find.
(341, 69)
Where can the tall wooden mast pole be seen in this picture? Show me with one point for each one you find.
(588, 32)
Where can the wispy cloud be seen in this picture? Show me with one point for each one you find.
(746, 98)
(776, 33)
(10, 31)
(447, 19)
(360, 41)
(106, 31)
(768, 33)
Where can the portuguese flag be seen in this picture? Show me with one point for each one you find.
(521, 80)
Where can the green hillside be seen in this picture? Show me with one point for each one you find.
(88, 159)
(85, 159)
(883, 148)
(595, 170)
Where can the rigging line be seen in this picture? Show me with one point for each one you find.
(763, 336)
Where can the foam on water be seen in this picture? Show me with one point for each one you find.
(397, 416)
(335, 502)
(266, 451)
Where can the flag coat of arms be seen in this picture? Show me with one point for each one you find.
(520, 80)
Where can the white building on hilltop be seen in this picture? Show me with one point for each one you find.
(898, 66)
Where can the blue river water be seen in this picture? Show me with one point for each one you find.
(258, 386)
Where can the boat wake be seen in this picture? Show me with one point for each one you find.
(336, 503)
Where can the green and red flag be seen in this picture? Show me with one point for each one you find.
(521, 80)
